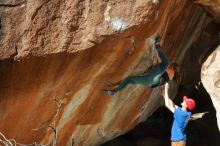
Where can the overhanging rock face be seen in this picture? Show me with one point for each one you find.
(69, 50)
(210, 75)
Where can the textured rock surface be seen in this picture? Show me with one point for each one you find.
(211, 79)
(70, 49)
(43, 27)
(202, 132)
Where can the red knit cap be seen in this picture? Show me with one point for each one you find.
(189, 102)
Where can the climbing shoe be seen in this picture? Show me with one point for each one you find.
(151, 41)
(154, 40)
(108, 92)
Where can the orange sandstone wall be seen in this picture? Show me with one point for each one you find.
(70, 49)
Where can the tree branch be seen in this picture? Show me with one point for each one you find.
(12, 142)
(54, 127)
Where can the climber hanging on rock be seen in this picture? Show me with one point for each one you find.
(158, 75)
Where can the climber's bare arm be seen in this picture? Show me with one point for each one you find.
(168, 102)
(197, 116)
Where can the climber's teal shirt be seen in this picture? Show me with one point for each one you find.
(180, 121)
(157, 76)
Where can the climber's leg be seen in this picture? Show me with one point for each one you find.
(126, 81)
(146, 80)
(123, 84)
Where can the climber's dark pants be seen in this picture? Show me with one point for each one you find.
(147, 80)
(152, 78)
